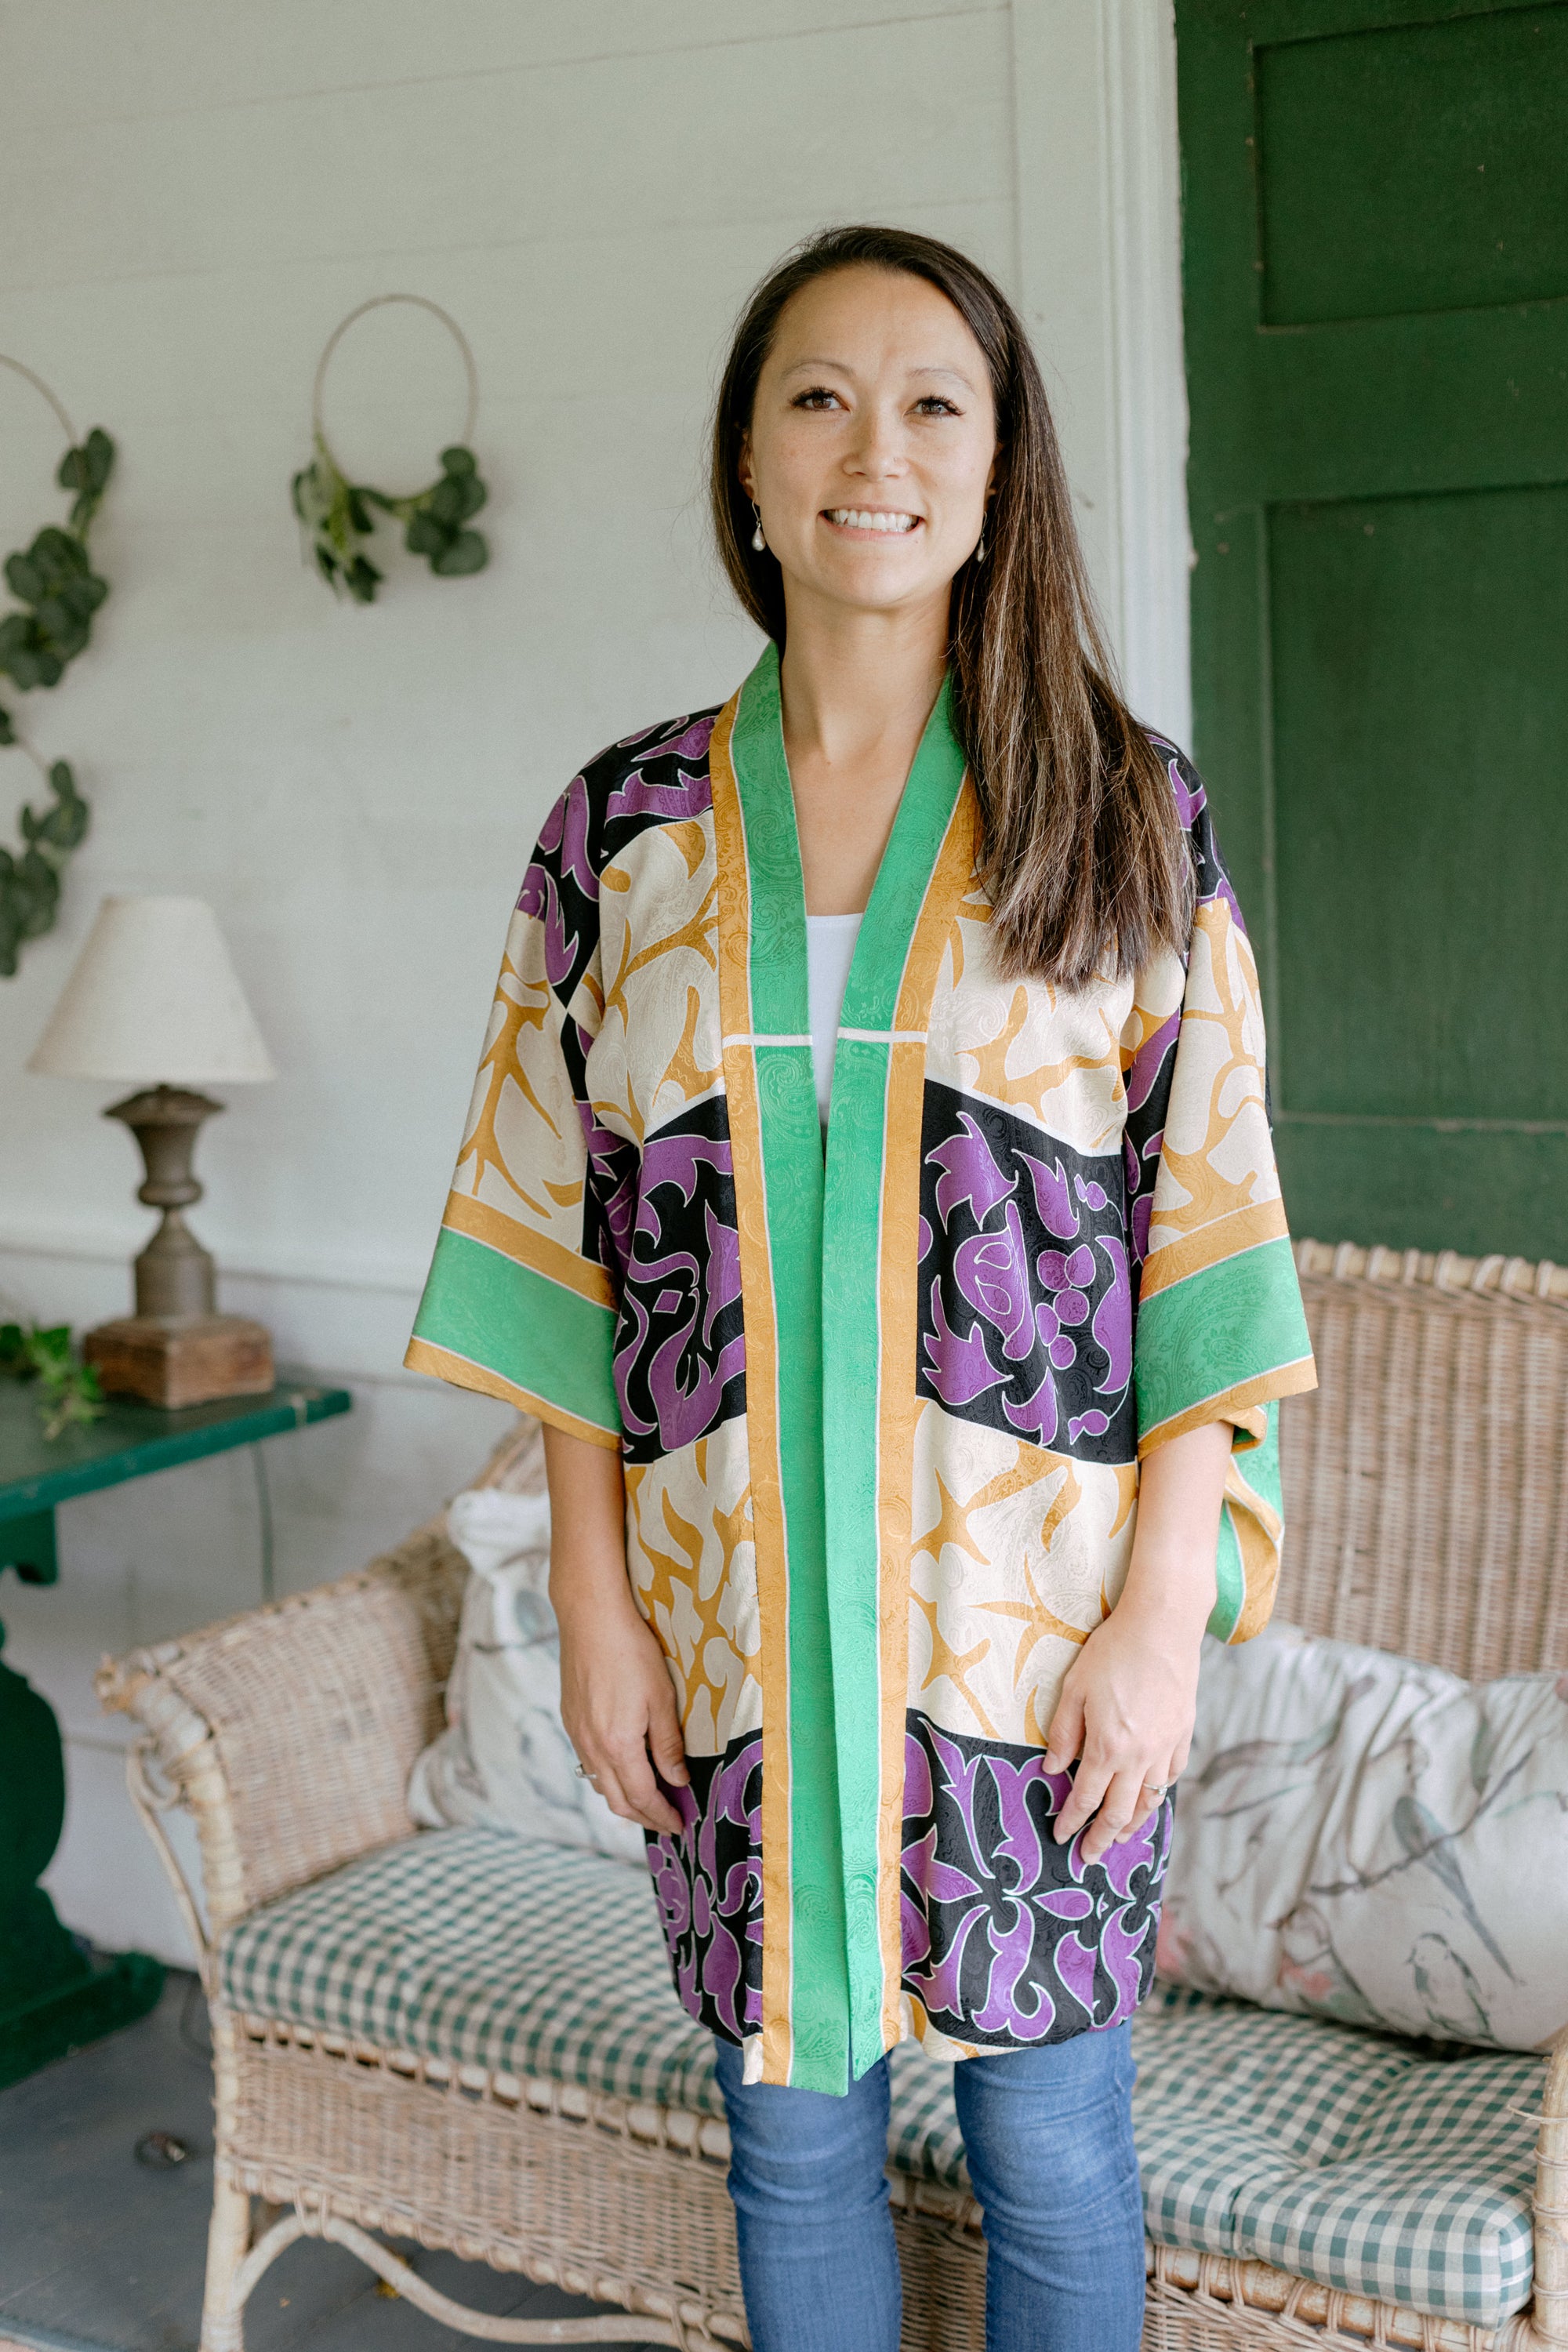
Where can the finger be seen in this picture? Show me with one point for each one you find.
(1088, 1789)
(1116, 1809)
(668, 1748)
(648, 1805)
(1148, 1807)
(1064, 1738)
(1150, 1796)
(600, 1772)
(604, 1783)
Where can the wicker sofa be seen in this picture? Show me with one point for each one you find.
(1427, 1492)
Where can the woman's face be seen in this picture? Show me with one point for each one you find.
(873, 440)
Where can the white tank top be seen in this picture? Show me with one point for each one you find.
(829, 948)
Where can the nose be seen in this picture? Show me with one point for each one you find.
(878, 451)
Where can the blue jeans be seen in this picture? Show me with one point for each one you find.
(1048, 2135)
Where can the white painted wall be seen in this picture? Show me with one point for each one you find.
(196, 191)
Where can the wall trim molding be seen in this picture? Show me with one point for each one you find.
(104, 1246)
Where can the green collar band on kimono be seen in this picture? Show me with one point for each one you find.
(824, 1251)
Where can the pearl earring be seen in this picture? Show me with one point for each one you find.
(979, 551)
(758, 542)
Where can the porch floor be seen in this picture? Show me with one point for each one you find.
(100, 2254)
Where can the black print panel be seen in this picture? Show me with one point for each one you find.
(709, 1882)
(680, 1352)
(1026, 1282)
(1009, 1939)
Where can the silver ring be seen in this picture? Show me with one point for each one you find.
(1158, 1790)
(583, 1774)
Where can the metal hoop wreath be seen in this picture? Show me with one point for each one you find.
(376, 301)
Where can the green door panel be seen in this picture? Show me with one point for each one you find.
(1375, 260)
(1413, 167)
(1426, 640)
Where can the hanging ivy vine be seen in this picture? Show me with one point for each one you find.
(58, 592)
(336, 513)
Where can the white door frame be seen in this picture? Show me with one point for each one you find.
(1098, 276)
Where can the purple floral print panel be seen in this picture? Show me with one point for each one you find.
(1026, 1282)
(680, 1353)
(1010, 1938)
(709, 1882)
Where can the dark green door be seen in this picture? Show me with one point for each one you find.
(1376, 236)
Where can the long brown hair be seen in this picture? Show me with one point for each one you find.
(1082, 851)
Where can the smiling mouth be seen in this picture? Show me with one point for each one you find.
(885, 521)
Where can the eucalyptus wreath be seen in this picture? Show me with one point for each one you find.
(58, 591)
(336, 513)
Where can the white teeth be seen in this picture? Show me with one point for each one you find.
(870, 518)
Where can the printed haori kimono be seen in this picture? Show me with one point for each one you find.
(880, 1406)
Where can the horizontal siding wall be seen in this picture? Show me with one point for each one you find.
(195, 192)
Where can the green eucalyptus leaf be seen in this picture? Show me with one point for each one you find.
(61, 624)
(58, 555)
(363, 580)
(466, 553)
(339, 514)
(63, 826)
(40, 892)
(30, 662)
(446, 500)
(426, 535)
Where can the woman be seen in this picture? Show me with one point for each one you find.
(868, 1183)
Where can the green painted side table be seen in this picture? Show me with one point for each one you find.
(54, 1996)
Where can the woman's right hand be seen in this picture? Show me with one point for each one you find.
(617, 1703)
(619, 1708)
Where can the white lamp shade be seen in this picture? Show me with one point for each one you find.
(154, 999)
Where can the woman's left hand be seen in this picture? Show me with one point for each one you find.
(1127, 1706)
(1126, 1712)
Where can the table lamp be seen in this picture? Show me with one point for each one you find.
(155, 1001)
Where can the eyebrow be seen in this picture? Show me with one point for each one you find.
(925, 368)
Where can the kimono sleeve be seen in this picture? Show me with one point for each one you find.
(1221, 1334)
(521, 1300)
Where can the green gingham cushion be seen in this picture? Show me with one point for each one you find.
(1363, 2162)
(1395, 2168)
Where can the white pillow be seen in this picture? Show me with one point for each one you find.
(503, 1762)
(1368, 1839)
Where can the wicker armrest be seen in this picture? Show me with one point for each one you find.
(289, 1732)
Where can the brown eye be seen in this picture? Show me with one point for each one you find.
(818, 398)
(934, 404)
